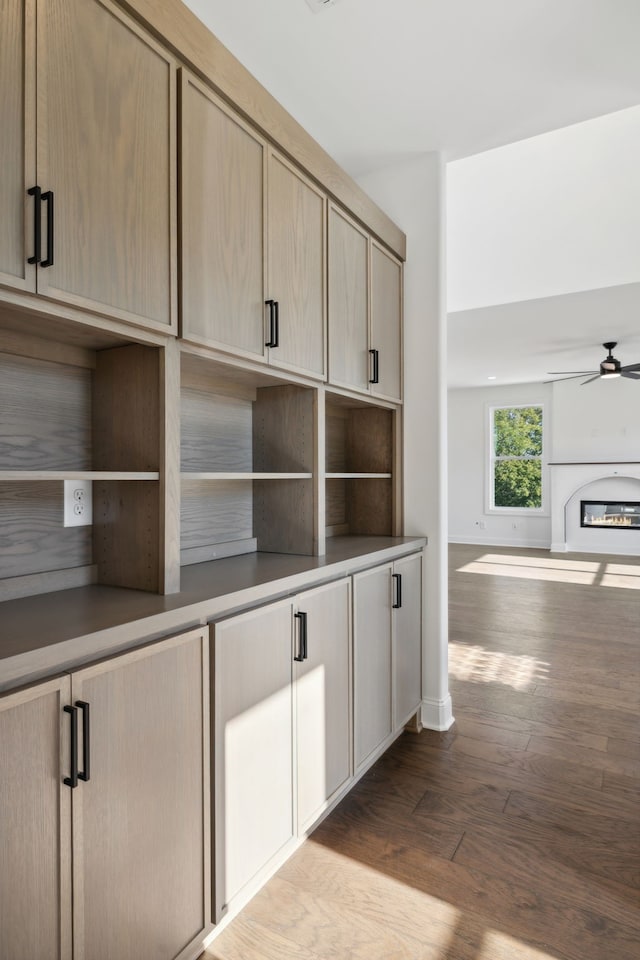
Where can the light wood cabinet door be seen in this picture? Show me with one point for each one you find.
(252, 746)
(106, 116)
(222, 225)
(386, 322)
(371, 660)
(35, 824)
(17, 144)
(322, 697)
(140, 824)
(296, 267)
(348, 302)
(407, 636)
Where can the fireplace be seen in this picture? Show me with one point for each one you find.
(610, 514)
(608, 486)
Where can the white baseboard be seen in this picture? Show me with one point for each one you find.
(559, 548)
(437, 714)
(503, 542)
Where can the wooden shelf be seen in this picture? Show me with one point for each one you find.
(28, 475)
(246, 475)
(358, 476)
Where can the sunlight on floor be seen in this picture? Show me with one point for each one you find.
(588, 572)
(426, 925)
(478, 665)
(499, 946)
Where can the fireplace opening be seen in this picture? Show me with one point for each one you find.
(610, 514)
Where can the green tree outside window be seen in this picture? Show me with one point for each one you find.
(516, 460)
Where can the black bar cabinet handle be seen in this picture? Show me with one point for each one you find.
(375, 377)
(276, 324)
(72, 781)
(270, 341)
(302, 647)
(398, 582)
(36, 193)
(48, 199)
(85, 773)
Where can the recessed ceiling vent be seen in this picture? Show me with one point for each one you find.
(317, 5)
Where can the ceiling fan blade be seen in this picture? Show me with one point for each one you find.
(629, 375)
(576, 376)
(590, 380)
(576, 373)
(630, 366)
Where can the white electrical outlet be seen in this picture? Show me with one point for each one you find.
(78, 503)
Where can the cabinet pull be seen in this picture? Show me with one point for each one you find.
(376, 370)
(302, 645)
(397, 577)
(48, 199)
(271, 342)
(276, 324)
(72, 781)
(36, 193)
(85, 773)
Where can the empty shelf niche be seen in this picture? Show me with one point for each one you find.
(87, 414)
(247, 464)
(359, 469)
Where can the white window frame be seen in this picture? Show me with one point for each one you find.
(491, 460)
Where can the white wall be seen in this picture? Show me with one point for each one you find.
(561, 212)
(469, 519)
(597, 421)
(412, 193)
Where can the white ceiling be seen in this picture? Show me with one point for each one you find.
(523, 342)
(376, 81)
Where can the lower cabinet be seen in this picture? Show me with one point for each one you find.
(105, 789)
(387, 651)
(35, 825)
(282, 730)
(372, 678)
(407, 636)
(106, 780)
(322, 698)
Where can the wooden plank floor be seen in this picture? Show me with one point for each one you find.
(516, 834)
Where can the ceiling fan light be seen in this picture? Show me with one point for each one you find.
(610, 368)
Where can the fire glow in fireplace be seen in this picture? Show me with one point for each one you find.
(610, 514)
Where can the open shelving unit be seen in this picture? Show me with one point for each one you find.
(80, 412)
(360, 468)
(247, 463)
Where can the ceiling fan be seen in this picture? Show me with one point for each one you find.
(609, 368)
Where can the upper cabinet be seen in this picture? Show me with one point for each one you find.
(252, 242)
(17, 148)
(386, 323)
(365, 311)
(348, 274)
(99, 228)
(296, 268)
(222, 173)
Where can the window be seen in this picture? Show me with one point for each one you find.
(516, 458)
